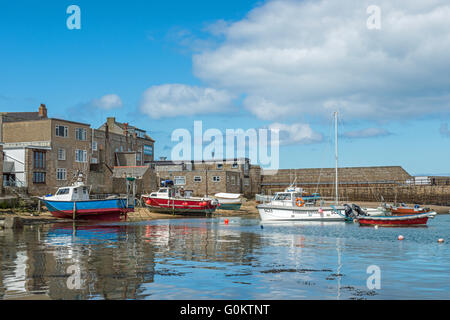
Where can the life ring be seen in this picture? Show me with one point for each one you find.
(301, 200)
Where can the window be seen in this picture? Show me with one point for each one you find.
(94, 146)
(61, 154)
(121, 148)
(61, 174)
(220, 166)
(94, 160)
(246, 181)
(140, 134)
(81, 134)
(197, 179)
(138, 156)
(283, 196)
(62, 131)
(38, 177)
(179, 181)
(80, 155)
(235, 165)
(39, 159)
(63, 191)
(233, 180)
(148, 150)
(216, 178)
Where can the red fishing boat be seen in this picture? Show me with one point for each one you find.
(396, 221)
(172, 200)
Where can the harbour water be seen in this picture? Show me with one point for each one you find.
(205, 258)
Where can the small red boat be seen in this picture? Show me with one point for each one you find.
(171, 200)
(396, 221)
(405, 210)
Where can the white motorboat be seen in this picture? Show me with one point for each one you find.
(291, 205)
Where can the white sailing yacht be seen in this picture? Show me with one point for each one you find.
(290, 205)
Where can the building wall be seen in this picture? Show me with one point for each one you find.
(110, 143)
(25, 131)
(229, 181)
(146, 184)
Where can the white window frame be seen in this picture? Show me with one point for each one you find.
(216, 178)
(62, 171)
(235, 165)
(66, 131)
(61, 156)
(94, 146)
(199, 179)
(94, 160)
(219, 166)
(81, 134)
(83, 154)
(175, 182)
(148, 150)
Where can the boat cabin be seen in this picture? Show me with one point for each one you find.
(171, 192)
(291, 195)
(77, 192)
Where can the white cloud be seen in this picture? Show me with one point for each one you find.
(172, 100)
(107, 102)
(297, 133)
(311, 57)
(366, 133)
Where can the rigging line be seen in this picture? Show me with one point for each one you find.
(323, 153)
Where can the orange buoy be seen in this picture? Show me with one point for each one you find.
(440, 240)
(149, 202)
(400, 237)
(226, 221)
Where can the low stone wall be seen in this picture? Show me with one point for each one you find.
(431, 195)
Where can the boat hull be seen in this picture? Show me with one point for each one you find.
(395, 221)
(280, 213)
(181, 206)
(108, 209)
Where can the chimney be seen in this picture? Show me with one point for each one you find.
(42, 111)
(111, 121)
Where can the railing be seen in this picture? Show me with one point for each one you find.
(13, 183)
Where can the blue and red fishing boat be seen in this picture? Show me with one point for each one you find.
(74, 202)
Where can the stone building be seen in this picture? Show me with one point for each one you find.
(119, 144)
(46, 152)
(211, 176)
(42, 154)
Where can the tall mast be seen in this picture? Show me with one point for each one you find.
(336, 146)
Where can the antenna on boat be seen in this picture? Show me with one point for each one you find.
(336, 149)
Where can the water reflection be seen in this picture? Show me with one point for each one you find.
(206, 259)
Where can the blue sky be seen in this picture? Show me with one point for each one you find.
(243, 64)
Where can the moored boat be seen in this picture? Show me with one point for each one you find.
(229, 201)
(396, 221)
(74, 202)
(171, 200)
(403, 209)
(290, 205)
